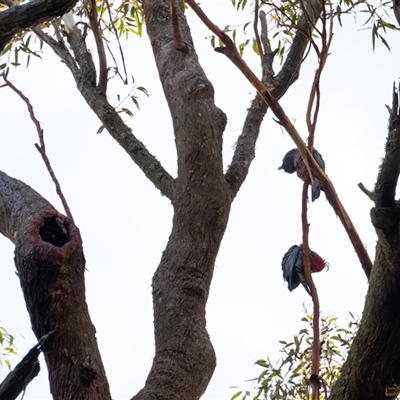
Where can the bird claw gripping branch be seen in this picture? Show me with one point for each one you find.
(293, 267)
(293, 162)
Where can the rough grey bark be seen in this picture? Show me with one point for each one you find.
(26, 370)
(50, 265)
(372, 370)
(19, 17)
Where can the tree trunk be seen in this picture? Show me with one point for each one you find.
(371, 370)
(185, 360)
(50, 264)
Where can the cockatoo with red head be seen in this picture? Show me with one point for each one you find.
(293, 267)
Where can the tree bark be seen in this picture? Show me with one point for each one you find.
(372, 369)
(50, 264)
(185, 360)
(19, 17)
(26, 370)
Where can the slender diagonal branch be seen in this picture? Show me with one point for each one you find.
(255, 27)
(369, 194)
(41, 148)
(125, 79)
(232, 53)
(60, 49)
(98, 37)
(315, 365)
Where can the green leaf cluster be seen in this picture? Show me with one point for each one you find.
(121, 18)
(287, 378)
(7, 347)
(125, 17)
(284, 15)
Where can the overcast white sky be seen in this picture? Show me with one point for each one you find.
(125, 222)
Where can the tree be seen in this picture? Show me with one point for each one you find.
(49, 256)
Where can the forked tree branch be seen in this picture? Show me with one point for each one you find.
(84, 73)
(232, 53)
(245, 147)
(125, 78)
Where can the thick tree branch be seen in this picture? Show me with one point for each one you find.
(50, 265)
(84, 73)
(375, 351)
(396, 10)
(246, 143)
(245, 146)
(386, 183)
(26, 370)
(94, 24)
(290, 70)
(60, 49)
(19, 17)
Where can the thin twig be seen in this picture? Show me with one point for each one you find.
(307, 273)
(179, 44)
(264, 33)
(98, 37)
(255, 26)
(119, 44)
(269, 55)
(315, 94)
(41, 148)
(366, 191)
